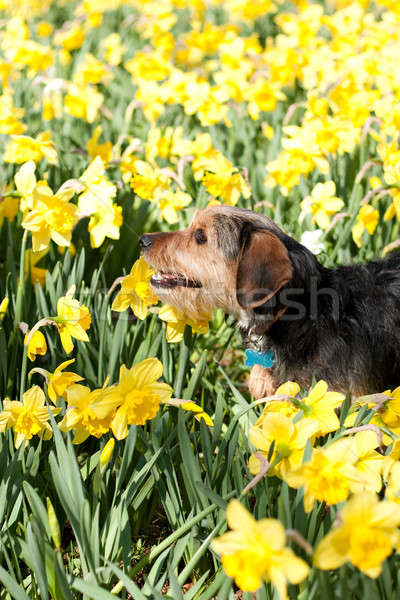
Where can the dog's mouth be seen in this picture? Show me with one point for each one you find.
(173, 280)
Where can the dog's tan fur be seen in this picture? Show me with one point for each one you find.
(220, 276)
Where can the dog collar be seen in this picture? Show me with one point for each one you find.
(265, 359)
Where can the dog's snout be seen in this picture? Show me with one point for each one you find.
(144, 242)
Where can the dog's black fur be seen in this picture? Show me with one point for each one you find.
(341, 325)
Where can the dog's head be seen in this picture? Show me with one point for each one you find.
(227, 258)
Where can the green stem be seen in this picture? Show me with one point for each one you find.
(184, 354)
(21, 283)
(23, 373)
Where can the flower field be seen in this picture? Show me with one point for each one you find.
(133, 461)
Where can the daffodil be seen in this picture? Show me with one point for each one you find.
(9, 205)
(255, 551)
(96, 149)
(52, 217)
(29, 417)
(25, 182)
(70, 38)
(176, 321)
(96, 202)
(60, 381)
(91, 71)
(320, 406)
(148, 182)
(221, 179)
(22, 148)
(289, 441)
(10, 116)
(73, 319)
(107, 453)
(136, 291)
(37, 274)
(328, 476)
(367, 220)
(83, 101)
(262, 95)
(198, 412)
(364, 535)
(322, 203)
(113, 48)
(88, 412)
(140, 394)
(172, 202)
(3, 307)
(37, 344)
(390, 412)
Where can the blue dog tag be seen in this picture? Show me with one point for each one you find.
(265, 359)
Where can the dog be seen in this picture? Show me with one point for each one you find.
(341, 325)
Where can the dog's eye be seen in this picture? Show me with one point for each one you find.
(200, 236)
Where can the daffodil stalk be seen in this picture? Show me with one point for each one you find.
(265, 466)
(39, 324)
(21, 286)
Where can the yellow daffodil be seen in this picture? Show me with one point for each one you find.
(391, 459)
(70, 38)
(139, 395)
(176, 321)
(392, 477)
(262, 95)
(320, 406)
(113, 48)
(44, 29)
(222, 180)
(21, 149)
(73, 319)
(136, 291)
(328, 476)
(107, 453)
(9, 116)
(361, 451)
(60, 381)
(37, 274)
(52, 217)
(322, 203)
(95, 149)
(147, 182)
(3, 307)
(37, 345)
(25, 182)
(91, 71)
(255, 551)
(364, 535)
(172, 202)
(83, 102)
(367, 220)
(88, 412)
(96, 202)
(289, 441)
(29, 417)
(9, 206)
(390, 412)
(198, 413)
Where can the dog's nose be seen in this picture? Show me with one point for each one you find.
(145, 241)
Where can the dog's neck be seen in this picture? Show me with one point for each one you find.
(294, 313)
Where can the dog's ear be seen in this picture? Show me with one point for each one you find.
(263, 269)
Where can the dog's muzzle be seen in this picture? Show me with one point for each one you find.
(172, 280)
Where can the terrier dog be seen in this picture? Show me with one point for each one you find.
(341, 325)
